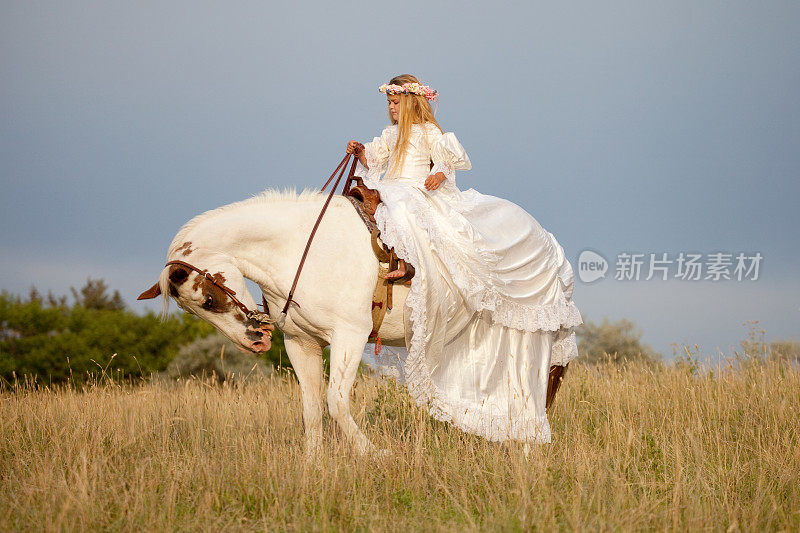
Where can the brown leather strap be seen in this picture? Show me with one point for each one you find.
(343, 161)
(381, 297)
(351, 174)
(342, 166)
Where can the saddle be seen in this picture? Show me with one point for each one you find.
(366, 201)
(369, 198)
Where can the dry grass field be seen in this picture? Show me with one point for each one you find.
(671, 447)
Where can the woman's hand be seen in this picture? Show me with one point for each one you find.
(434, 180)
(353, 147)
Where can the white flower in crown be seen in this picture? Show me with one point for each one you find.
(410, 88)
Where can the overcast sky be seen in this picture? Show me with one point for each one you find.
(648, 127)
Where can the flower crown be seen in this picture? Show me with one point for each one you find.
(410, 88)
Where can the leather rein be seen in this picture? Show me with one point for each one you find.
(264, 317)
(256, 315)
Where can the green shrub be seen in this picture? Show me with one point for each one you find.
(785, 350)
(57, 343)
(612, 341)
(216, 356)
(45, 338)
(756, 349)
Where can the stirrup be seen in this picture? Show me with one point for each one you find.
(393, 262)
(405, 278)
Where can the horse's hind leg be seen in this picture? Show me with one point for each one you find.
(306, 358)
(346, 351)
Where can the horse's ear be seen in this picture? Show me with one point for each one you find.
(150, 293)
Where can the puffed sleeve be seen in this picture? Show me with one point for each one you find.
(377, 155)
(448, 155)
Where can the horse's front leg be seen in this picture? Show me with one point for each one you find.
(346, 351)
(306, 358)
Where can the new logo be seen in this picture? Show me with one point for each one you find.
(591, 266)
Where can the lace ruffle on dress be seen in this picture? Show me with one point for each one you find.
(490, 306)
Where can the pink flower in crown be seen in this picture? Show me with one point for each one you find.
(410, 88)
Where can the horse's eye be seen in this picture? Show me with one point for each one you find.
(209, 303)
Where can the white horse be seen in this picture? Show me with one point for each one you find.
(262, 239)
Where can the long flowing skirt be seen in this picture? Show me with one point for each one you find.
(489, 309)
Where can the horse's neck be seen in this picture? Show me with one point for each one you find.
(264, 240)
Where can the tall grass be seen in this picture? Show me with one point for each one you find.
(635, 446)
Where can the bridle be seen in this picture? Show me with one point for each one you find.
(256, 315)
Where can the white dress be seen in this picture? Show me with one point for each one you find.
(490, 306)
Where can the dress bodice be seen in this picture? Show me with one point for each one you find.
(426, 145)
(417, 162)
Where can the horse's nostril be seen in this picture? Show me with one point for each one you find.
(260, 347)
(254, 335)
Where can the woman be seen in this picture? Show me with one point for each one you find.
(490, 305)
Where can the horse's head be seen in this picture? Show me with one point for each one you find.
(213, 288)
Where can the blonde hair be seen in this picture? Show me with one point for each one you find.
(414, 109)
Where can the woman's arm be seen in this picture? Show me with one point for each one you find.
(447, 156)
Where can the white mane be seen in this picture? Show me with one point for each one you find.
(266, 196)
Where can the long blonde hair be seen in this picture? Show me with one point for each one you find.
(414, 109)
